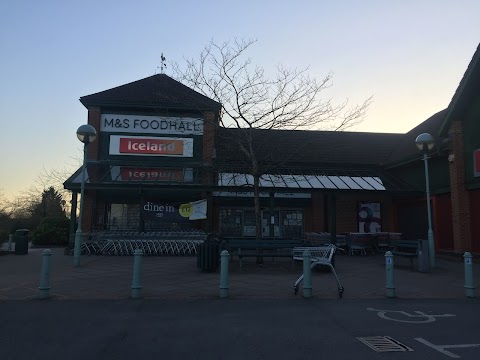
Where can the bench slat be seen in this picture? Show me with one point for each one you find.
(260, 248)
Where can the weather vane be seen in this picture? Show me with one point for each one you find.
(163, 64)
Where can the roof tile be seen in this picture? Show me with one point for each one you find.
(314, 148)
(158, 90)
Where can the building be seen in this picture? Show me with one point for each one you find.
(160, 148)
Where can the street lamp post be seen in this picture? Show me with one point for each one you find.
(86, 134)
(425, 143)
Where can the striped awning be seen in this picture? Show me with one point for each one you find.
(290, 181)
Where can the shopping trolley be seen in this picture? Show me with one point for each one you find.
(319, 255)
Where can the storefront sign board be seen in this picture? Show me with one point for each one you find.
(128, 173)
(151, 124)
(150, 146)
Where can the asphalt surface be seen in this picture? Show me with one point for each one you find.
(237, 329)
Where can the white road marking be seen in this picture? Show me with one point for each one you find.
(418, 318)
(441, 348)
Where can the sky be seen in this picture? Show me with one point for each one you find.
(409, 55)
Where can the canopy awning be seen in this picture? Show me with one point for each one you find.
(118, 176)
(102, 175)
(289, 181)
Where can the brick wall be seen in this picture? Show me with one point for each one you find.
(317, 213)
(88, 210)
(461, 218)
(99, 215)
(347, 211)
(347, 208)
(94, 117)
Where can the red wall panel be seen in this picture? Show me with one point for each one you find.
(475, 213)
(443, 230)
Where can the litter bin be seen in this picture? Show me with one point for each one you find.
(423, 256)
(21, 241)
(207, 256)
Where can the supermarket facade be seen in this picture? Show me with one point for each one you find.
(160, 150)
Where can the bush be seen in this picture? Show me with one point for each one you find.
(52, 231)
(3, 237)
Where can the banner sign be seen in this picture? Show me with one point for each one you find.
(195, 210)
(161, 212)
(151, 146)
(476, 163)
(369, 218)
(128, 173)
(151, 124)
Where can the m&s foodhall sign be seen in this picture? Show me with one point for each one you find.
(151, 124)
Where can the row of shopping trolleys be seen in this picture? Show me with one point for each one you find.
(151, 243)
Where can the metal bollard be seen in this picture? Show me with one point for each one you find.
(307, 275)
(469, 284)
(224, 258)
(137, 274)
(10, 240)
(44, 288)
(390, 282)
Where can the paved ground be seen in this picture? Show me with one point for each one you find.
(237, 329)
(109, 277)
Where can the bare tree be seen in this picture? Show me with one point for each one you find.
(53, 178)
(5, 216)
(26, 204)
(4, 208)
(290, 100)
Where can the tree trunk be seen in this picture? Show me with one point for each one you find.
(258, 215)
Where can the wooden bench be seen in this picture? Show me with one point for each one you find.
(325, 238)
(248, 247)
(383, 239)
(405, 248)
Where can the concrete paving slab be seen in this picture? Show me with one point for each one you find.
(170, 277)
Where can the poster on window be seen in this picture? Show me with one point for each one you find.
(195, 210)
(161, 212)
(369, 217)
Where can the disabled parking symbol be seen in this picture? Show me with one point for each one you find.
(417, 317)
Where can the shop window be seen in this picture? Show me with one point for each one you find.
(237, 222)
(128, 217)
(249, 225)
(292, 223)
(231, 222)
(266, 220)
(124, 217)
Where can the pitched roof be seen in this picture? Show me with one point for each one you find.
(467, 88)
(312, 148)
(157, 91)
(406, 149)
